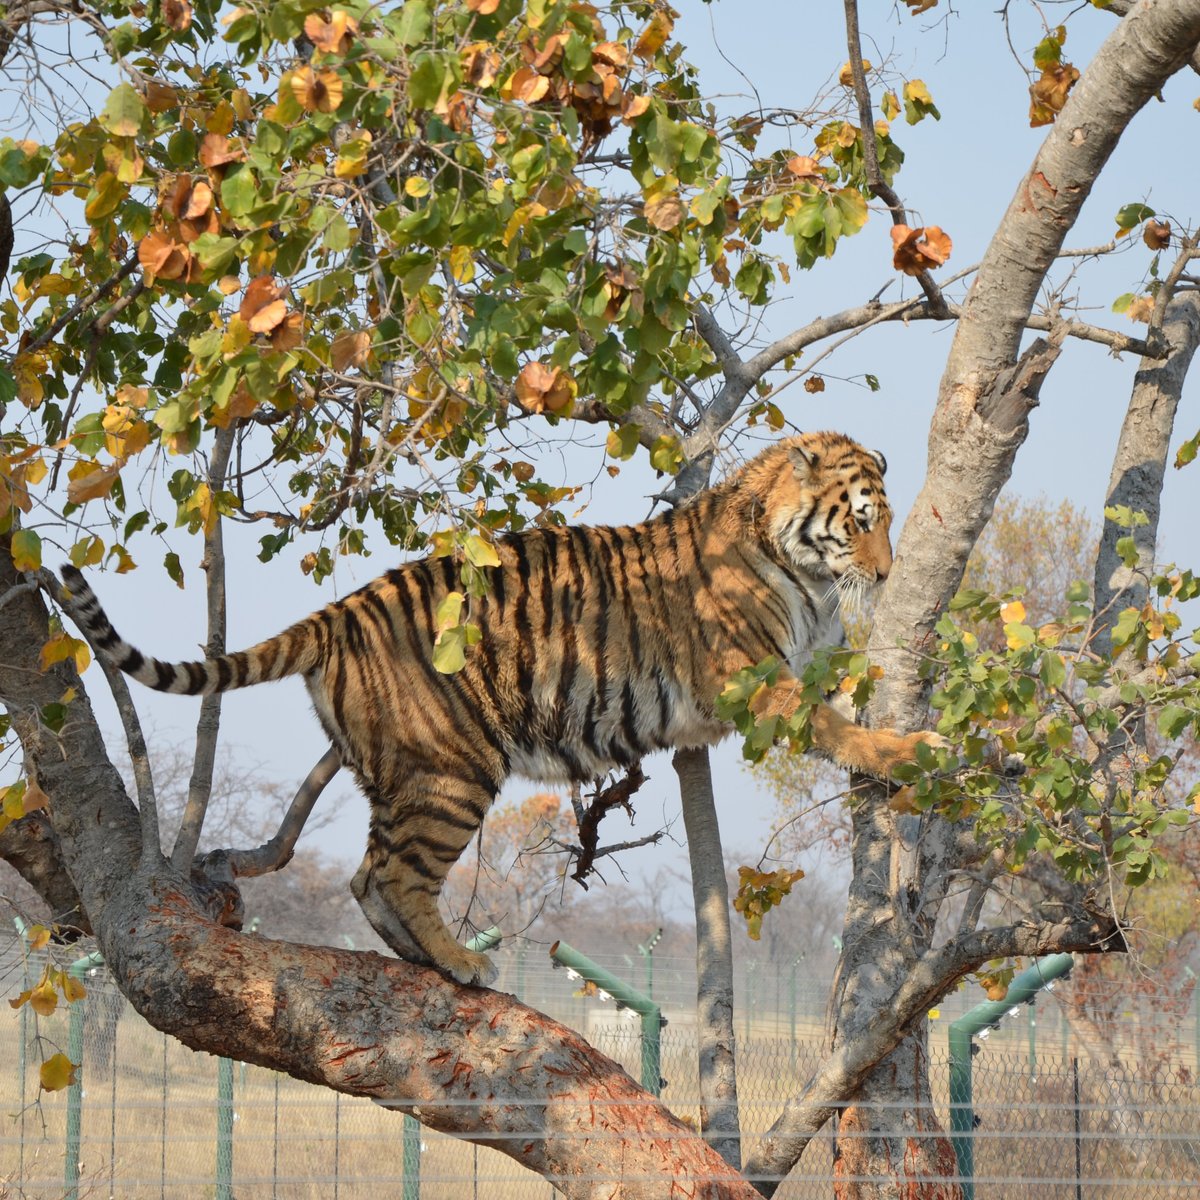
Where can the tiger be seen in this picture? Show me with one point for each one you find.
(598, 646)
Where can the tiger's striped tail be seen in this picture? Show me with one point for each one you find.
(293, 652)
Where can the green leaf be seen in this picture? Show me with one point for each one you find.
(449, 652)
(1173, 720)
(414, 22)
(1187, 452)
(622, 442)
(967, 598)
(1130, 216)
(124, 112)
(1127, 551)
(239, 193)
(26, 550)
(666, 454)
(174, 567)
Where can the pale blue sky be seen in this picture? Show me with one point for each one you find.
(960, 174)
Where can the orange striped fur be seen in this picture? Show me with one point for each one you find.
(599, 645)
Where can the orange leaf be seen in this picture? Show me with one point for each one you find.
(802, 166)
(332, 36)
(484, 8)
(89, 481)
(349, 349)
(263, 306)
(161, 256)
(542, 388)
(1157, 234)
(177, 14)
(917, 250)
(316, 92)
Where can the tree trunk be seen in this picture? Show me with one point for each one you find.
(714, 959)
(890, 1145)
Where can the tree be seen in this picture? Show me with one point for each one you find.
(354, 274)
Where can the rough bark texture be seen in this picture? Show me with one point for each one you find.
(714, 959)
(486, 1066)
(1141, 461)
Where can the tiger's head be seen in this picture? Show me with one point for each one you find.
(826, 509)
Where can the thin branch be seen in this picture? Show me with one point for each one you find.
(277, 852)
(879, 187)
(604, 800)
(208, 724)
(93, 297)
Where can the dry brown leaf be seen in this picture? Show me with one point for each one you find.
(1048, 94)
(289, 333)
(92, 482)
(349, 349)
(803, 166)
(333, 36)
(177, 14)
(263, 306)
(612, 53)
(542, 388)
(216, 150)
(814, 384)
(1157, 234)
(920, 249)
(664, 211)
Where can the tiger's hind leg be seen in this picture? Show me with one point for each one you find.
(416, 837)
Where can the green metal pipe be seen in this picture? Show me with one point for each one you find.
(224, 1180)
(626, 996)
(1024, 987)
(411, 1163)
(485, 939)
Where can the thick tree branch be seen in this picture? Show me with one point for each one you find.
(1140, 464)
(30, 846)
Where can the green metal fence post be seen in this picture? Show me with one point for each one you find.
(646, 950)
(962, 1033)
(626, 996)
(411, 1189)
(224, 1180)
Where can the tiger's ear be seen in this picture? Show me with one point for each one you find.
(804, 461)
(880, 461)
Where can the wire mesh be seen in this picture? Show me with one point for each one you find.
(1051, 1124)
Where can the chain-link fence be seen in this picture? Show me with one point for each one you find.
(150, 1118)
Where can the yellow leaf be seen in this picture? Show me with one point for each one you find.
(57, 1072)
(73, 988)
(36, 471)
(90, 481)
(38, 937)
(43, 999)
(63, 646)
(1013, 611)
